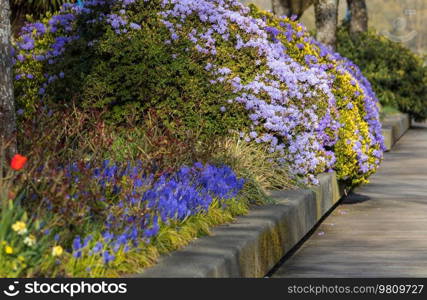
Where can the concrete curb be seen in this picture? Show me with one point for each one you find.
(252, 245)
(394, 126)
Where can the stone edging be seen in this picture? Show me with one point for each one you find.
(253, 244)
(394, 126)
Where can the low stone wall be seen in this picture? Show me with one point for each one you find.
(394, 126)
(254, 243)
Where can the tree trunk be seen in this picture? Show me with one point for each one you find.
(290, 7)
(326, 12)
(7, 104)
(282, 7)
(359, 16)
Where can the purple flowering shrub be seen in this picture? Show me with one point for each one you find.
(359, 147)
(287, 103)
(275, 100)
(210, 67)
(113, 37)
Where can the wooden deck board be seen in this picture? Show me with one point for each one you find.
(381, 231)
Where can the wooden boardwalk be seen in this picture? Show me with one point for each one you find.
(379, 231)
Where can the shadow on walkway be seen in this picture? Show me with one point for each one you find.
(353, 198)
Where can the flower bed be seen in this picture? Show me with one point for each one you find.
(125, 207)
(173, 81)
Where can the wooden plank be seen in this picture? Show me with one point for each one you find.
(382, 231)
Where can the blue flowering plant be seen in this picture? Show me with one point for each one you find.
(111, 218)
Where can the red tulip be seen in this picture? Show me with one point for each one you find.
(18, 162)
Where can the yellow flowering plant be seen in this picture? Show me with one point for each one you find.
(24, 242)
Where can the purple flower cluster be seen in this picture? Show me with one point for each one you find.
(282, 102)
(370, 109)
(60, 30)
(136, 204)
(292, 104)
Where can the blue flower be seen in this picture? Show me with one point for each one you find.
(77, 243)
(98, 247)
(107, 257)
(108, 236)
(77, 254)
(135, 26)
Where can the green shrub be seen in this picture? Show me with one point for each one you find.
(397, 75)
(129, 74)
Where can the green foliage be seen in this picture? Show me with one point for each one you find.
(134, 73)
(388, 111)
(24, 246)
(397, 75)
(253, 162)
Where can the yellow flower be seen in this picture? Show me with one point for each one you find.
(8, 250)
(21, 258)
(20, 227)
(57, 251)
(30, 240)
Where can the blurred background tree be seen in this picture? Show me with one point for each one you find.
(290, 7)
(358, 16)
(326, 16)
(399, 20)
